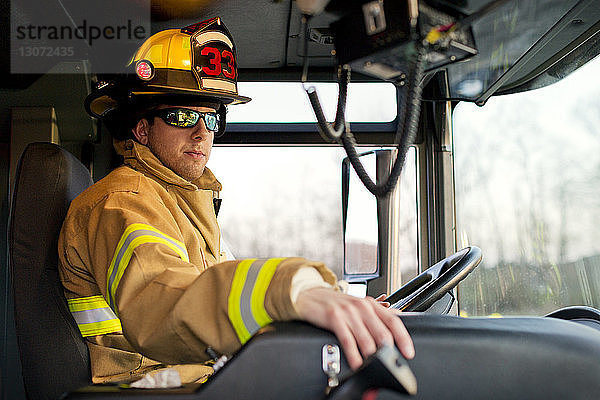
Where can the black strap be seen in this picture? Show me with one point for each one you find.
(217, 204)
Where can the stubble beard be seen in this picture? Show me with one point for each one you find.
(188, 170)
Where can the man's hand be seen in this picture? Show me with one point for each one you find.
(361, 325)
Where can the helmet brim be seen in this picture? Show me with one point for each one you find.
(103, 101)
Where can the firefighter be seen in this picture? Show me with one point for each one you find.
(139, 251)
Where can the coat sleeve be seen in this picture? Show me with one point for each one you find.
(170, 310)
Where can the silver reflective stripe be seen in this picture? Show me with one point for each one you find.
(96, 315)
(246, 298)
(131, 237)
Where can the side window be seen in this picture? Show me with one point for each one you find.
(401, 234)
(527, 189)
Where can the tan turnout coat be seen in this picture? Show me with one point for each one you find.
(141, 267)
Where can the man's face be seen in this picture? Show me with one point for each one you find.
(183, 150)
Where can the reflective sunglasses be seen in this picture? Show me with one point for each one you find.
(186, 118)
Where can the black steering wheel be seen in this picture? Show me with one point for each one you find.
(432, 284)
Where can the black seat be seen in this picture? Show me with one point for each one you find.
(53, 354)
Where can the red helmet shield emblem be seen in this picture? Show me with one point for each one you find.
(213, 57)
(144, 70)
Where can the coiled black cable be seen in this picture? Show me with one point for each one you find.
(330, 133)
(405, 135)
(340, 132)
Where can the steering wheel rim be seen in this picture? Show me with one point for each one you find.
(432, 284)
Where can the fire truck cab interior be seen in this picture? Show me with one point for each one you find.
(437, 54)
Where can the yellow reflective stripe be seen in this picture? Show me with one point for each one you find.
(86, 303)
(135, 235)
(260, 290)
(100, 328)
(246, 303)
(124, 261)
(234, 309)
(93, 316)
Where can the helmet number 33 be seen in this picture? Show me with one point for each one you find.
(216, 59)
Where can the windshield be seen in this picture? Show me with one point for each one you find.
(293, 105)
(527, 193)
(514, 39)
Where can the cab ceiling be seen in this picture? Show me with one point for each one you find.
(269, 39)
(266, 32)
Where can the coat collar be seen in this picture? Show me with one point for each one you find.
(140, 158)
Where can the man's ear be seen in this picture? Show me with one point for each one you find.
(140, 131)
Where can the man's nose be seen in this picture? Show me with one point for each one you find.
(200, 132)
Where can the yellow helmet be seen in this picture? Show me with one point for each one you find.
(196, 63)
